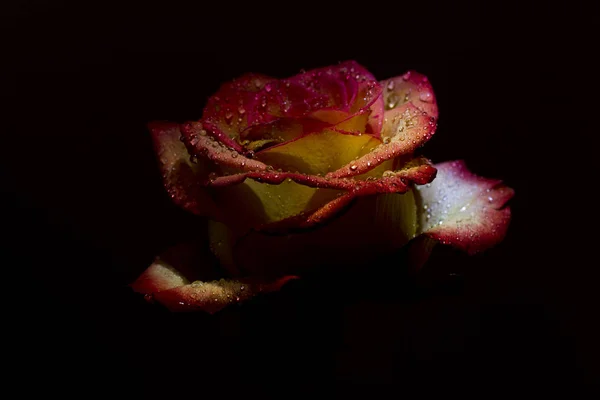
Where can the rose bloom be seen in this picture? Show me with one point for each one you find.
(311, 171)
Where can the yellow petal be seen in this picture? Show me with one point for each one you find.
(251, 204)
(318, 153)
(373, 226)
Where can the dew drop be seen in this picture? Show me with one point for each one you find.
(406, 76)
(234, 154)
(392, 101)
(426, 96)
(490, 199)
(390, 85)
(353, 167)
(241, 110)
(194, 159)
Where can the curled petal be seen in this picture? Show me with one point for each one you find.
(182, 177)
(411, 87)
(405, 129)
(419, 171)
(205, 146)
(172, 280)
(464, 210)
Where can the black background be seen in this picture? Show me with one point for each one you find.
(85, 211)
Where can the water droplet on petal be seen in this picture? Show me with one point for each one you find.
(390, 85)
(426, 96)
(392, 101)
(353, 167)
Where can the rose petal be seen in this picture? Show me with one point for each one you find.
(252, 203)
(419, 171)
(317, 153)
(463, 210)
(306, 220)
(235, 106)
(205, 146)
(411, 87)
(376, 117)
(368, 227)
(405, 129)
(216, 295)
(165, 282)
(182, 178)
(329, 95)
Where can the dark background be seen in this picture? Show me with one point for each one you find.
(85, 211)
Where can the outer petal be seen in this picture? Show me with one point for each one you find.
(214, 296)
(411, 87)
(164, 281)
(182, 178)
(405, 129)
(462, 209)
(369, 227)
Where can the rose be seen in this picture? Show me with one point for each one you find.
(274, 163)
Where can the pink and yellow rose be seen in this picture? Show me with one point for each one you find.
(315, 170)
